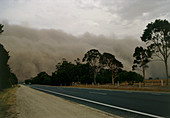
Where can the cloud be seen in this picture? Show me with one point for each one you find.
(34, 50)
(134, 9)
(100, 17)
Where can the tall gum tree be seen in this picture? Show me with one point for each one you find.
(110, 62)
(92, 57)
(142, 58)
(157, 38)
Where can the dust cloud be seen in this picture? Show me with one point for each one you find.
(34, 50)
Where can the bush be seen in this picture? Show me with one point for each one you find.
(130, 77)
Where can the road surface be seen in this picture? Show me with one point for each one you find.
(122, 103)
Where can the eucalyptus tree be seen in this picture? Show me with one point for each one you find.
(110, 62)
(92, 57)
(157, 37)
(142, 58)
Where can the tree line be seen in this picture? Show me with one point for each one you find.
(94, 68)
(7, 78)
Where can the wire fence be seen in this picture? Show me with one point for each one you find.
(147, 83)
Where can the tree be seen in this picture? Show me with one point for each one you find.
(141, 56)
(92, 58)
(4, 69)
(44, 78)
(82, 72)
(7, 79)
(157, 37)
(64, 73)
(41, 78)
(14, 79)
(109, 61)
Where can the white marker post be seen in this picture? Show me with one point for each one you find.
(139, 84)
(118, 83)
(162, 83)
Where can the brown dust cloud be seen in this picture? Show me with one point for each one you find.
(35, 50)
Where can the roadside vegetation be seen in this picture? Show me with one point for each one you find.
(96, 68)
(7, 102)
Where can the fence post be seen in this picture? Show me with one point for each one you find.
(139, 84)
(162, 82)
(118, 83)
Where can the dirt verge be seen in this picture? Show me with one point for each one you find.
(35, 104)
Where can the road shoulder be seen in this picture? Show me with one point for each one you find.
(35, 104)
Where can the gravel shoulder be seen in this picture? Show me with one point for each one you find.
(31, 103)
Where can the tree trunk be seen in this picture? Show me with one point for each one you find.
(112, 77)
(143, 70)
(95, 73)
(166, 69)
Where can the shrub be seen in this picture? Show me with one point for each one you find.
(130, 77)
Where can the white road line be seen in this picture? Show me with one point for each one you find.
(107, 105)
(98, 93)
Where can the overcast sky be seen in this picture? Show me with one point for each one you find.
(118, 18)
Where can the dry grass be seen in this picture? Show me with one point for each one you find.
(7, 102)
(125, 87)
(149, 83)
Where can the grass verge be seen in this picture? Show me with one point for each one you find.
(129, 88)
(7, 102)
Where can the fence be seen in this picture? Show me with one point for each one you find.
(148, 83)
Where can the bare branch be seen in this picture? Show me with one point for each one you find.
(158, 56)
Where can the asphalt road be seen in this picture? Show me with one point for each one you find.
(122, 103)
